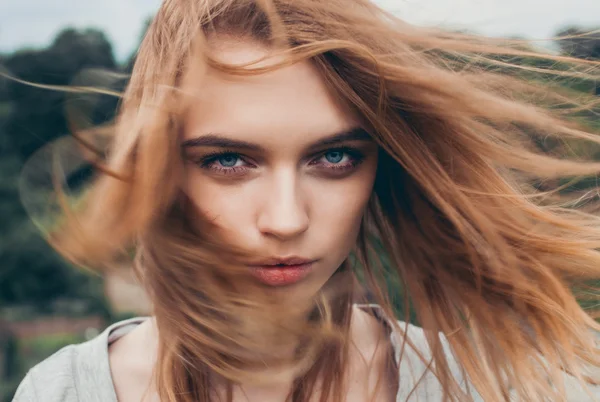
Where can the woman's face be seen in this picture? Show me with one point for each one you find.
(278, 166)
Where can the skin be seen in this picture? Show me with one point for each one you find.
(290, 196)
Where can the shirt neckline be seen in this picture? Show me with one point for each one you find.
(100, 347)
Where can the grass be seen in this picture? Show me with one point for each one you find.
(34, 350)
(31, 352)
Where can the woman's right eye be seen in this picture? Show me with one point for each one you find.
(225, 163)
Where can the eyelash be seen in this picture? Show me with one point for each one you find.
(208, 161)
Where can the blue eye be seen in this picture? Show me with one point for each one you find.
(334, 156)
(228, 160)
(338, 160)
(225, 163)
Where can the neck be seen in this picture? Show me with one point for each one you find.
(141, 347)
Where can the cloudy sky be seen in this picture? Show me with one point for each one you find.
(33, 23)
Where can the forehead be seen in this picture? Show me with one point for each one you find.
(292, 102)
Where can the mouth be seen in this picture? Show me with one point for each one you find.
(282, 271)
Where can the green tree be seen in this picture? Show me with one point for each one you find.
(38, 113)
(30, 271)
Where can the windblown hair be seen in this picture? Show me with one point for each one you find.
(488, 257)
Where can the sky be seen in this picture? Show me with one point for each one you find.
(33, 23)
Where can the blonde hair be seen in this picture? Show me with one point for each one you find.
(485, 256)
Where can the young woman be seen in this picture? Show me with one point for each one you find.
(279, 166)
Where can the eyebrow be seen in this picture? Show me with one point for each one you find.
(220, 141)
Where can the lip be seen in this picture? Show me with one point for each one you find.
(282, 271)
(294, 260)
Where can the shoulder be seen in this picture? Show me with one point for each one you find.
(411, 369)
(417, 380)
(75, 373)
(52, 380)
(416, 369)
(413, 358)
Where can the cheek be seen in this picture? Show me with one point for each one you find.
(338, 208)
(219, 205)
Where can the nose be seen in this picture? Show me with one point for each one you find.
(284, 213)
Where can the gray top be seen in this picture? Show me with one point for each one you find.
(81, 373)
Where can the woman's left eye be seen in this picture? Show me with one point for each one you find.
(228, 160)
(336, 157)
(339, 159)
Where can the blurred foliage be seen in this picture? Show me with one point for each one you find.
(580, 43)
(30, 272)
(37, 114)
(34, 280)
(27, 353)
(35, 349)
